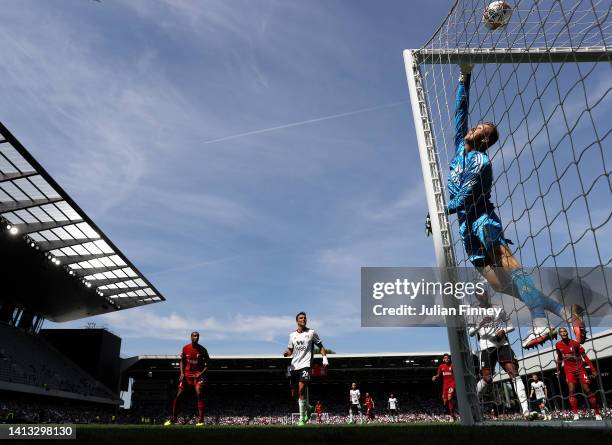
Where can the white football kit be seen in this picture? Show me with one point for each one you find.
(392, 403)
(355, 395)
(302, 344)
(486, 327)
(538, 387)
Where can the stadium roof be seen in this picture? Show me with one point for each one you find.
(36, 209)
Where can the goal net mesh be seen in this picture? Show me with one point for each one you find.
(551, 166)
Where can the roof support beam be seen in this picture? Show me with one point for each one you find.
(74, 259)
(121, 290)
(17, 175)
(20, 205)
(39, 227)
(106, 281)
(85, 272)
(45, 246)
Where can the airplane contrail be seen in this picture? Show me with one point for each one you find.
(309, 121)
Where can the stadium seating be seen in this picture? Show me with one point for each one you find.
(28, 359)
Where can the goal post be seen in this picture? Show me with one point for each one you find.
(509, 55)
(442, 239)
(543, 79)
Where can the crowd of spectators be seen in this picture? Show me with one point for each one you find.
(64, 411)
(28, 359)
(56, 411)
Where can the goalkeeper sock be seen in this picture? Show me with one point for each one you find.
(302, 406)
(535, 300)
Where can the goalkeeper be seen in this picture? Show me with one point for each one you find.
(469, 185)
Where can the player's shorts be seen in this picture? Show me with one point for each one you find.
(299, 375)
(190, 382)
(575, 375)
(541, 401)
(355, 408)
(448, 392)
(492, 356)
(480, 235)
(393, 412)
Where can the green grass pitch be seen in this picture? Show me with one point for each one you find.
(438, 434)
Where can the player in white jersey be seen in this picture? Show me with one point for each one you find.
(355, 403)
(393, 406)
(491, 332)
(301, 350)
(538, 388)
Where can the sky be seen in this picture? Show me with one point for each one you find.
(248, 156)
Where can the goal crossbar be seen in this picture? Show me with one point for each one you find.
(511, 55)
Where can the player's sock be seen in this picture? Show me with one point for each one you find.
(309, 407)
(594, 404)
(175, 407)
(573, 401)
(201, 410)
(519, 387)
(302, 407)
(451, 408)
(535, 300)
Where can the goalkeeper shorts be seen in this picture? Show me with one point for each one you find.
(480, 236)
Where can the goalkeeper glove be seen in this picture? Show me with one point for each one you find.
(325, 361)
(427, 225)
(466, 70)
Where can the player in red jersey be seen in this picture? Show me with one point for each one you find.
(570, 354)
(193, 366)
(319, 410)
(448, 383)
(369, 404)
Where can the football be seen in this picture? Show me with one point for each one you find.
(497, 14)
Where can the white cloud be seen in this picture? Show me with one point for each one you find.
(145, 323)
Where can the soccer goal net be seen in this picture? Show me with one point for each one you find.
(295, 417)
(542, 74)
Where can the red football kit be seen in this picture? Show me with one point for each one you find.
(369, 404)
(194, 359)
(571, 354)
(319, 411)
(448, 380)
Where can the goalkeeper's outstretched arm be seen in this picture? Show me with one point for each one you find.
(462, 103)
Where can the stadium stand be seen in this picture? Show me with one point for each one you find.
(57, 265)
(27, 360)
